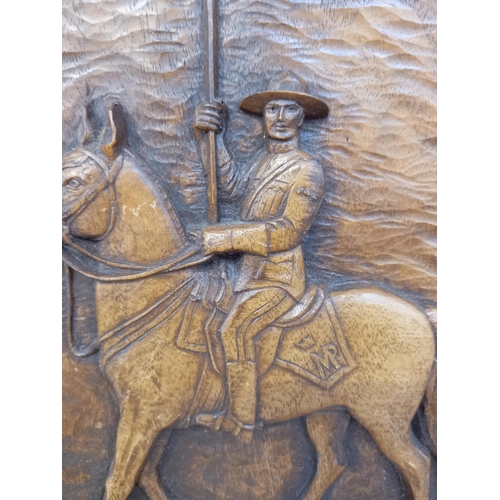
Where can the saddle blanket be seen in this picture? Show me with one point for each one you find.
(307, 341)
(317, 349)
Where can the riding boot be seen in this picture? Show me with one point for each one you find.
(242, 385)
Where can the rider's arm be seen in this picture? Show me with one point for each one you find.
(231, 178)
(304, 198)
(278, 234)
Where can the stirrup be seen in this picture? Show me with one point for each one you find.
(210, 420)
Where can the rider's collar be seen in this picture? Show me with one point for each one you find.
(276, 146)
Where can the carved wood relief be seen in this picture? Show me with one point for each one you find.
(249, 250)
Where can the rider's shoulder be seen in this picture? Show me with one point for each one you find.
(306, 156)
(305, 159)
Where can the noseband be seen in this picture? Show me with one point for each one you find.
(108, 177)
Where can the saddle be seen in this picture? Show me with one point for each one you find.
(203, 319)
(307, 340)
(304, 310)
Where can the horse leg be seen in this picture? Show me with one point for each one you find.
(396, 441)
(149, 480)
(326, 430)
(137, 431)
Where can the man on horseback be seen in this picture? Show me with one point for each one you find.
(281, 192)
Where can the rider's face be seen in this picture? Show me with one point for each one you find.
(282, 119)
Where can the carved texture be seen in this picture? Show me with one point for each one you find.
(373, 62)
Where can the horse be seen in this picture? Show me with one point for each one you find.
(120, 228)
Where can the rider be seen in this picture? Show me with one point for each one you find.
(281, 191)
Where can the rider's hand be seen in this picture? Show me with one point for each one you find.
(210, 116)
(216, 239)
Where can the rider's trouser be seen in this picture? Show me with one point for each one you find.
(252, 312)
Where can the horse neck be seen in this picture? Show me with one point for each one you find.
(147, 229)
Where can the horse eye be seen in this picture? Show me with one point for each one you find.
(74, 183)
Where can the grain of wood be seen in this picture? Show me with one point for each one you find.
(374, 63)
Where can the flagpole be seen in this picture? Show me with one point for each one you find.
(211, 81)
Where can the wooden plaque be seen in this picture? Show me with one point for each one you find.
(249, 250)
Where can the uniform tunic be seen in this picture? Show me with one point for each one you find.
(281, 192)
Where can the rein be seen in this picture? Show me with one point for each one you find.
(77, 258)
(176, 263)
(71, 341)
(116, 271)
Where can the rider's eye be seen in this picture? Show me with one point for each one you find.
(74, 183)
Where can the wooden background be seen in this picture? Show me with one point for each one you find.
(374, 63)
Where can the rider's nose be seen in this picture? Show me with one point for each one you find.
(280, 114)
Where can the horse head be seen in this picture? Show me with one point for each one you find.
(109, 197)
(119, 226)
(88, 174)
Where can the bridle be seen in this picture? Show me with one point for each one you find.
(74, 254)
(107, 180)
(112, 271)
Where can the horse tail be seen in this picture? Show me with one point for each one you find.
(79, 352)
(430, 398)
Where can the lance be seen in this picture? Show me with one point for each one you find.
(211, 81)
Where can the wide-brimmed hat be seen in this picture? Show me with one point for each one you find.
(286, 86)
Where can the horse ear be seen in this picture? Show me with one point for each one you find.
(116, 130)
(85, 134)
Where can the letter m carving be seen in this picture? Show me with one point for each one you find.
(326, 360)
